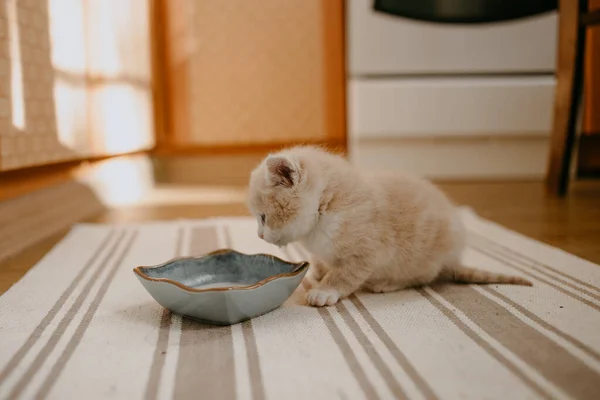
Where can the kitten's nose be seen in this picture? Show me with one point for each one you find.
(260, 235)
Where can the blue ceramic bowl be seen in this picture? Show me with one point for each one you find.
(223, 287)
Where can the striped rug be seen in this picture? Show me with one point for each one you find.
(80, 326)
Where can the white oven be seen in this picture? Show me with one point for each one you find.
(415, 79)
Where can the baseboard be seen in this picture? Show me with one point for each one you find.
(456, 158)
(443, 158)
(207, 169)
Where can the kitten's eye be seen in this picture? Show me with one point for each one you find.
(262, 218)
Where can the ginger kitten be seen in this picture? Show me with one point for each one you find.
(374, 232)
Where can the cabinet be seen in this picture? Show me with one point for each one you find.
(251, 73)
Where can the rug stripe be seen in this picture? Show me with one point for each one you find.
(206, 363)
(346, 350)
(484, 345)
(375, 358)
(254, 371)
(581, 346)
(549, 359)
(516, 254)
(166, 388)
(58, 305)
(58, 367)
(162, 342)
(389, 344)
(508, 263)
(343, 345)
(512, 258)
(500, 299)
(402, 360)
(65, 321)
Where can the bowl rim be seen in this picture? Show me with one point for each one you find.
(302, 266)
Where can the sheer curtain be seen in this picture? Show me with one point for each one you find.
(75, 80)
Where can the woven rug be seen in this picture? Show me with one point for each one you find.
(80, 326)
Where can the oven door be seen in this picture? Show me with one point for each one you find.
(384, 44)
(465, 11)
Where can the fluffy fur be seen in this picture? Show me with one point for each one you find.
(378, 233)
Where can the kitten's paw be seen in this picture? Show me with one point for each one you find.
(322, 297)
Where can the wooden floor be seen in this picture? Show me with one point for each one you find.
(572, 223)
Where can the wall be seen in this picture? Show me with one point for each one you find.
(74, 80)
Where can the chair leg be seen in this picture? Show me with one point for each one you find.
(568, 93)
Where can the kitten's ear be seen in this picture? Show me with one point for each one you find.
(283, 171)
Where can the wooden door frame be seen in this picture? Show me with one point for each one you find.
(158, 54)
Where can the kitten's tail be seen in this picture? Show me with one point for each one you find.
(462, 274)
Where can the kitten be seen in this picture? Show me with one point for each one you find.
(378, 233)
